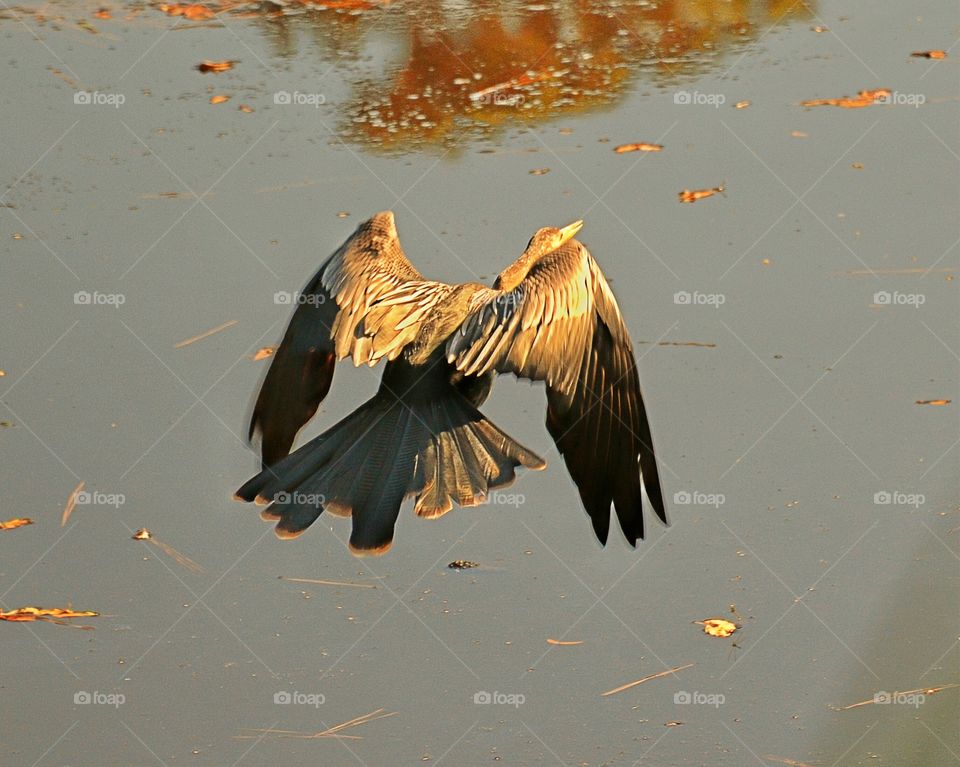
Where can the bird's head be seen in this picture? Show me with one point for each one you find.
(548, 239)
(543, 243)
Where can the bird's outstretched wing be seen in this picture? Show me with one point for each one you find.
(323, 329)
(562, 325)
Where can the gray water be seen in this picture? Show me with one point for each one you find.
(805, 486)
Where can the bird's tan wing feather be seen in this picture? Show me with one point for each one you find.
(324, 328)
(562, 325)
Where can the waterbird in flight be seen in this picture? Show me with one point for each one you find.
(550, 316)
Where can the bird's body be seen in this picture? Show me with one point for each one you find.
(550, 316)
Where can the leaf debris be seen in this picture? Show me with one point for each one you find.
(13, 524)
(639, 147)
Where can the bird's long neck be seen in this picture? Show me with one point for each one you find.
(513, 275)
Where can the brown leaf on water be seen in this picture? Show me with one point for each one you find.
(659, 674)
(692, 195)
(103, 13)
(929, 54)
(13, 524)
(939, 402)
(49, 615)
(216, 66)
(639, 147)
(245, 108)
(742, 104)
(71, 504)
(539, 171)
(717, 627)
(862, 99)
(219, 99)
(262, 354)
(194, 12)
(565, 642)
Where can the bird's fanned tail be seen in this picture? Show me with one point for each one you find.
(429, 441)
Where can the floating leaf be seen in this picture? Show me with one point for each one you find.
(216, 66)
(639, 147)
(219, 99)
(539, 171)
(50, 615)
(717, 627)
(929, 54)
(262, 354)
(692, 195)
(462, 564)
(939, 402)
(862, 99)
(13, 524)
(564, 643)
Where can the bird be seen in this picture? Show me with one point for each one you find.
(550, 316)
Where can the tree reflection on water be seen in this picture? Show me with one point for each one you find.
(550, 60)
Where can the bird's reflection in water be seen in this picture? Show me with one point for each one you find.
(456, 71)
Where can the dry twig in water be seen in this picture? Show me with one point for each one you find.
(205, 334)
(659, 674)
(327, 583)
(71, 504)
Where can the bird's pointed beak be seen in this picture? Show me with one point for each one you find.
(567, 232)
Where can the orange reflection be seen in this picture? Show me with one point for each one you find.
(463, 73)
